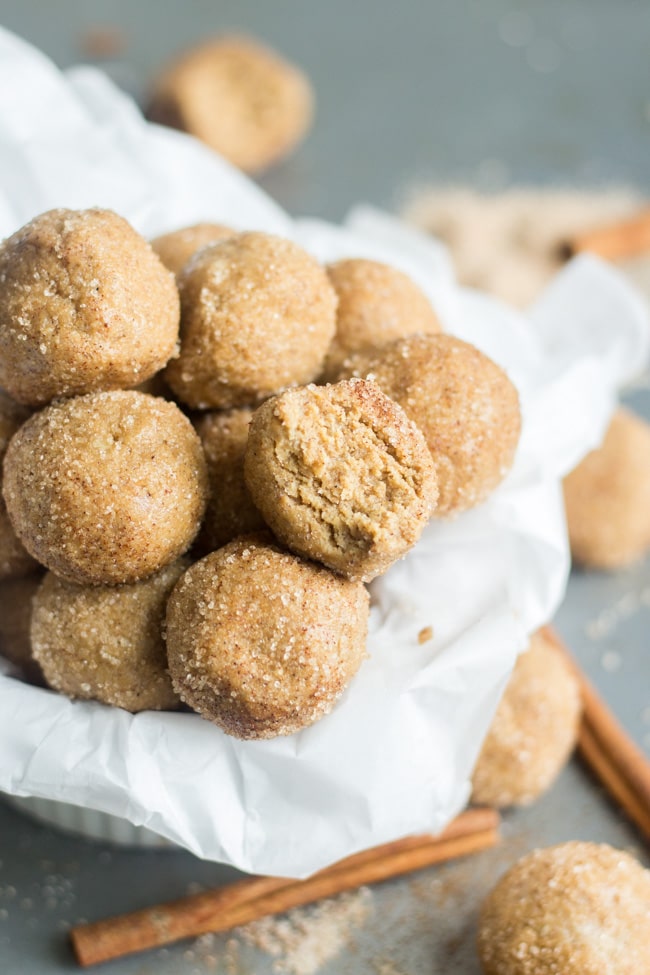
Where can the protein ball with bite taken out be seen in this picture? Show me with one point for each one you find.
(257, 314)
(239, 97)
(85, 305)
(377, 304)
(573, 909)
(261, 642)
(177, 247)
(106, 488)
(230, 510)
(106, 643)
(341, 475)
(464, 403)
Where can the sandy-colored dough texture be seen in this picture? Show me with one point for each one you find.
(106, 643)
(377, 304)
(230, 510)
(607, 497)
(341, 475)
(261, 642)
(258, 314)
(464, 404)
(574, 909)
(178, 246)
(106, 488)
(239, 97)
(533, 732)
(15, 560)
(15, 621)
(85, 305)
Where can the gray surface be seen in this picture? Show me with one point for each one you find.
(407, 92)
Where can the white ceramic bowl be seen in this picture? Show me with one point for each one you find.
(89, 823)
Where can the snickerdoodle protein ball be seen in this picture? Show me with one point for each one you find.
(377, 304)
(607, 497)
(239, 97)
(574, 909)
(106, 643)
(15, 620)
(106, 488)
(341, 475)
(464, 404)
(175, 248)
(85, 305)
(257, 314)
(261, 642)
(14, 558)
(230, 510)
(533, 731)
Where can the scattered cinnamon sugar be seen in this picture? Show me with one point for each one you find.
(307, 937)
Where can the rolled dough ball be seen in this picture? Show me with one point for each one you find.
(106, 643)
(239, 97)
(574, 909)
(106, 488)
(85, 305)
(261, 642)
(258, 314)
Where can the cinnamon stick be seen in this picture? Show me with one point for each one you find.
(255, 897)
(626, 238)
(609, 751)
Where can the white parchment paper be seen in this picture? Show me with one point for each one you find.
(395, 755)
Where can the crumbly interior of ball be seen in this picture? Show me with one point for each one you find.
(85, 305)
(106, 488)
(377, 304)
(341, 475)
(258, 314)
(574, 909)
(533, 731)
(464, 404)
(15, 620)
(607, 497)
(177, 247)
(239, 97)
(230, 510)
(106, 643)
(261, 642)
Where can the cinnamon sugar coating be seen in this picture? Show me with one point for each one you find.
(258, 314)
(106, 643)
(106, 488)
(261, 642)
(377, 304)
(14, 558)
(573, 909)
(230, 510)
(341, 475)
(16, 597)
(533, 732)
(607, 497)
(239, 97)
(464, 404)
(177, 247)
(85, 305)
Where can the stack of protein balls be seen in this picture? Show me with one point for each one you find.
(214, 550)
